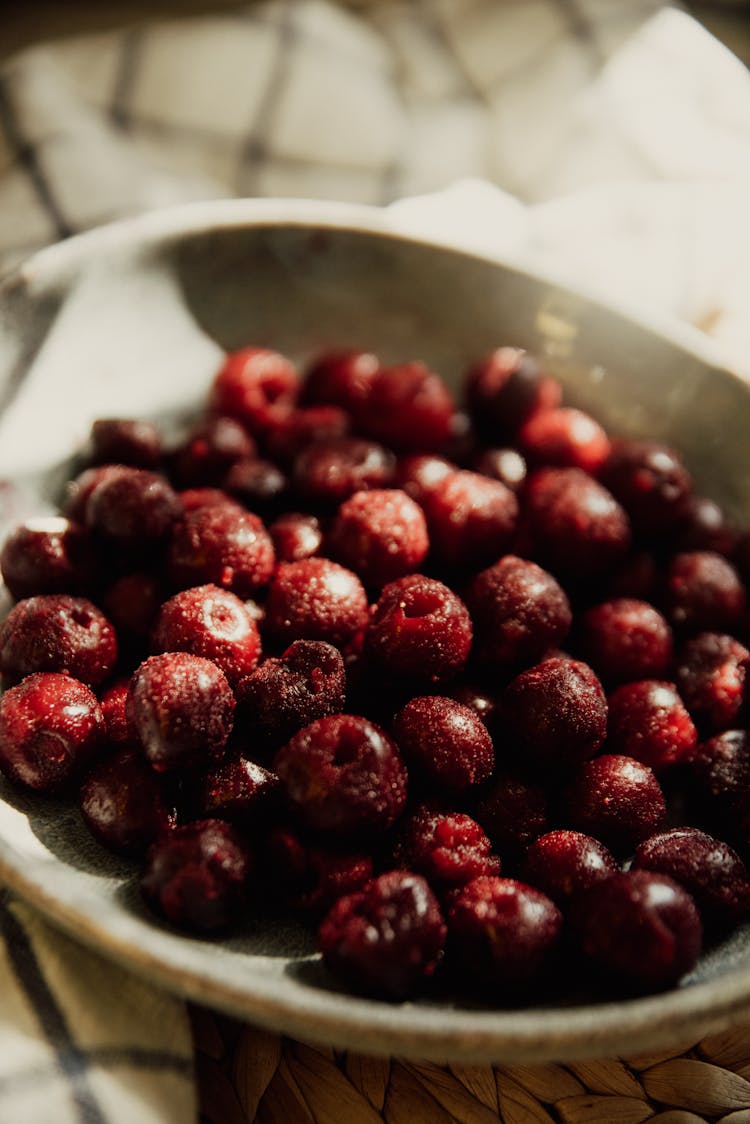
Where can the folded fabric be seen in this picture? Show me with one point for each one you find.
(605, 140)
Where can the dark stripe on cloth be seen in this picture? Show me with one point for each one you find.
(107, 1057)
(72, 1061)
(256, 147)
(127, 69)
(29, 160)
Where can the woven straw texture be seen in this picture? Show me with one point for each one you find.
(246, 1075)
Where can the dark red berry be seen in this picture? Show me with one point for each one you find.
(703, 592)
(712, 873)
(556, 712)
(343, 774)
(651, 482)
(240, 791)
(303, 427)
(419, 630)
(196, 876)
(625, 639)
(721, 772)
(503, 464)
(259, 484)
(710, 673)
(295, 536)
(565, 437)
(481, 700)
(636, 576)
(209, 451)
(471, 519)
(310, 877)
(448, 848)
(704, 526)
(182, 708)
(504, 389)
(387, 939)
(218, 546)
(409, 408)
(513, 812)
(123, 805)
(616, 799)
(315, 599)
(380, 534)
(283, 695)
(50, 727)
(127, 441)
(256, 386)
(519, 611)
(193, 498)
(648, 721)
(132, 602)
(112, 703)
(503, 934)
(133, 508)
(327, 473)
(54, 632)
(418, 473)
(80, 488)
(445, 742)
(641, 928)
(563, 863)
(210, 622)
(340, 379)
(577, 527)
(47, 555)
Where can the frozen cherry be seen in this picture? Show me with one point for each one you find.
(133, 508)
(703, 591)
(445, 742)
(504, 389)
(641, 928)
(54, 632)
(182, 708)
(625, 639)
(192, 498)
(448, 848)
(341, 379)
(256, 386)
(315, 599)
(123, 805)
(704, 526)
(556, 712)
(78, 490)
(210, 450)
(419, 630)
(240, 791)
(47, 555)
(380, 534)
(50, 727)
(721, 772)
(648, 721)
(128, 441)
(386, 939)
(471, 519)
(503, 464)
(343, 774)
(651, 482)
(132, 602)
(304, 427)
(710, 673)
(112, 702)
(281, 696)
(712, 873)
(563, 863)
(616, 799)
(513, 811)
(565, 437)
(519, 611)
(296, 535)
(311, 877)
(259, 484)
(577, 527)
(218, 546)
(196, 876)
(409, 408)
(327, 473)
(503, 933)
(418, 473)
(210, 622)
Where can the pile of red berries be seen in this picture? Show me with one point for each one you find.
(447, 679)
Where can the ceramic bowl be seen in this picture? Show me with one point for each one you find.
(132, 319)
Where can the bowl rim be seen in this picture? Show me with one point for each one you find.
(534, 1034)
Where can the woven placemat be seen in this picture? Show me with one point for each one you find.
(245, 1075)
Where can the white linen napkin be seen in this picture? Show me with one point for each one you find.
(606, 139)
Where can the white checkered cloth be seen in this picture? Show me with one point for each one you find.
(607, 138)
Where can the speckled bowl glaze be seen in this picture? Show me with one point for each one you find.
(131, 319)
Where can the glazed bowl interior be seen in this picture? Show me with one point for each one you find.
(132, 320)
